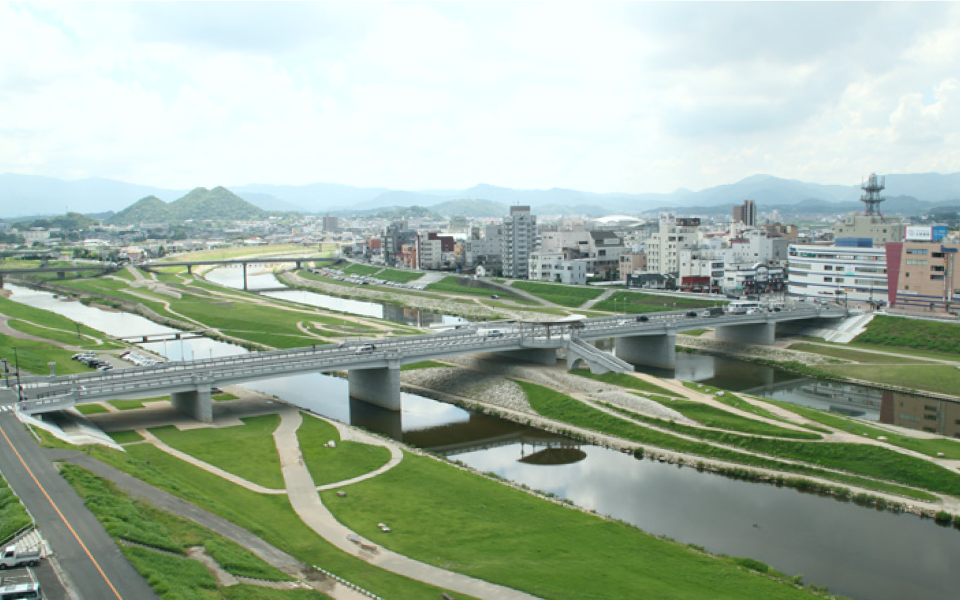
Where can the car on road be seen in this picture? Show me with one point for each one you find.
(365, 349)
(494, 296)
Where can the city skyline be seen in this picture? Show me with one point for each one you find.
(601, 97)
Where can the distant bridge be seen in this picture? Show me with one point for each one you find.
(373, 366)
(60, 271)
(189, 264)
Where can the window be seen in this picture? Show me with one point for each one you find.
(839, 279)
(916, 250)
(936, 277)
(828, 279)
(827, 267)
(916, 261)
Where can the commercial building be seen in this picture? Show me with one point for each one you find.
(923, 272)
(851, 270)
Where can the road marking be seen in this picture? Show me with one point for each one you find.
(65, 522)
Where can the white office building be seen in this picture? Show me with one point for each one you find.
(556, 267)
(851, 270)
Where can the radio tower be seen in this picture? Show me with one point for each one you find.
(871, 194)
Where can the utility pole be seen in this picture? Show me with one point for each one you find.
(16, 359)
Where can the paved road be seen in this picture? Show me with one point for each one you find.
(91, 561)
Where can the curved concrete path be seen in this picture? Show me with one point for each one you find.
(305, 500)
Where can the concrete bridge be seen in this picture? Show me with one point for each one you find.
(298, 261)
(60, 271)
(373, 366)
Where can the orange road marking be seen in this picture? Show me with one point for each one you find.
(67, 523)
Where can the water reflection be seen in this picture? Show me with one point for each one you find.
(860, 553)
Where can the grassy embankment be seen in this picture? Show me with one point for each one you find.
(855, 464)
(564, 295)
(935, 447)
(13, 516)
(135, 521)
(906, 342)
(501, 534)
(636, 303)
(283, 528)
(449, 285)
(33, 355)
(233, 312)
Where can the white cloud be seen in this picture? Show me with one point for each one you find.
(594, 96)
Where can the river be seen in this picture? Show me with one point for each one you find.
(860, 553)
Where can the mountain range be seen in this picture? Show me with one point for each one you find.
(30, 195)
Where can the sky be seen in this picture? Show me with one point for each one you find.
(593, 96)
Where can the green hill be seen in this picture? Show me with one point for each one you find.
(146, 210)
(218, 204)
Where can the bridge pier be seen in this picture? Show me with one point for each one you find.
(195, 403)
(380, 387)
(245, 277)
(650, 350)
(750, 333)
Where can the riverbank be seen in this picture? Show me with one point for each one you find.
(505, 401)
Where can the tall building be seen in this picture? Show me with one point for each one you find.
(330, 224)
(664, 246)
(746, 213)
(519, 239)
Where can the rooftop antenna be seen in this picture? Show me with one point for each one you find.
(871, 194)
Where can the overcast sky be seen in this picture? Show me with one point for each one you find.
(595, 96)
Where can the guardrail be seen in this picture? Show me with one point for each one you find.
(44, 393)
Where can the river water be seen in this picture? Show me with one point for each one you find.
(860, 553)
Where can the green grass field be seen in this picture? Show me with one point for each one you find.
(345, 461)
(902, 333)
(283, 528)
(257, 463)
(487, 530)
(450, 285)
(854, 355)
(636, 302)
(564, 295)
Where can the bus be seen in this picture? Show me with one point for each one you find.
(743, 307)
